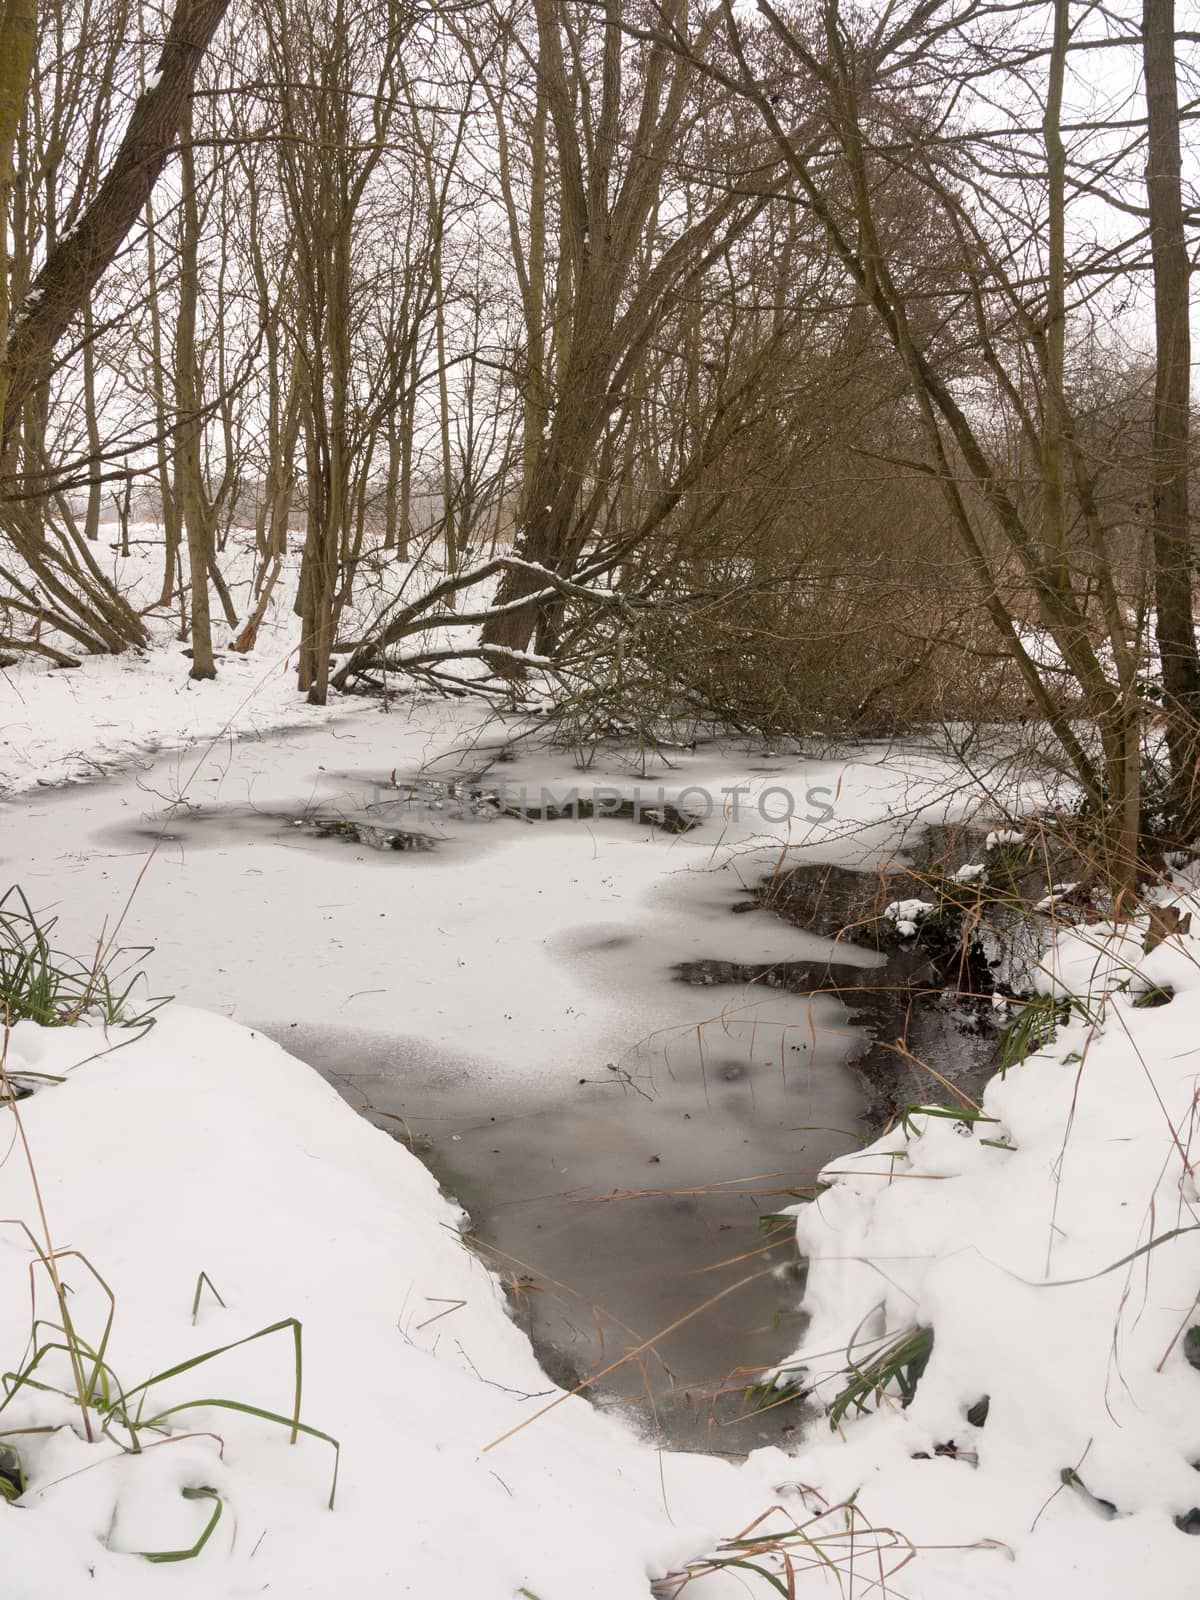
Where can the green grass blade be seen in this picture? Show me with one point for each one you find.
(201, 1493)
(216, 1294)
(266, 1416)
(220, 1350)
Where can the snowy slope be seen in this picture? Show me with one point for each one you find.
(206, 1148)
(1054, 1251)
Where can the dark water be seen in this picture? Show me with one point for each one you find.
(627, 1211)
(631, 1222)
(626, 1220)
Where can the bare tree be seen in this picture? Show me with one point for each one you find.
(618, 117)
(896, 146)
(75, 265)
(1170, 459)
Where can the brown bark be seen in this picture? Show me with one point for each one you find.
(189, 471)
(18, 41)
(1169, 450)
(79, 259)
(617, 298)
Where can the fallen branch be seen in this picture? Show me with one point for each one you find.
(35, 647)
(413, 618)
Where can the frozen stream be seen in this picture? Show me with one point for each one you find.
(504, 1001)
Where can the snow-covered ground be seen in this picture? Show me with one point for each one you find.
(205, 1148)
(499, 944)
(1053, 1248)
(61, 726)
(65, 725)
(535, 953)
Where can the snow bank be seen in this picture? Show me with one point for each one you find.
(65, 725)
(68, 726)
(1052, 1249)
(204, 1147)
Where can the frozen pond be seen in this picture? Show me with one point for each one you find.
(505, 1001)
(622, 1211)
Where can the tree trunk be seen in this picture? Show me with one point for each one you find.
(92, 423)
(187, 395)
(18, 43)
(1169, 450)
(78, 260)
(172, 581)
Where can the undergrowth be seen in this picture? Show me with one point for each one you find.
(60, 1361)
(42, 984)
(898, 1362)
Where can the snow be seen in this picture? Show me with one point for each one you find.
(999, 837)
(1056, 892)
(1058, 1265)
(907, 910)
(497, 946)
(906, 915)
(1049, 1243)
(535, 952)
(69, 725)
(204, 1147)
